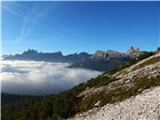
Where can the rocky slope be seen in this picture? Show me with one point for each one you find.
(145, 106)
(126, 96)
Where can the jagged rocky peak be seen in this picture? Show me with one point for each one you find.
(113, 53)
(30, 51)
(133, 51)
(100, 54)
(103, 54)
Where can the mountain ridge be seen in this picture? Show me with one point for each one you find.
(100, 60)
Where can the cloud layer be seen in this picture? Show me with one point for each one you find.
(40, 78)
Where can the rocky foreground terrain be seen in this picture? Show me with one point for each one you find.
(145, 106)
(136, 90)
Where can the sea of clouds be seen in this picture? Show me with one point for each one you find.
(40, 78)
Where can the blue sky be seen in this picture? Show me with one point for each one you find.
(79, 26)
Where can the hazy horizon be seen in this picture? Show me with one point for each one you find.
(75, 51)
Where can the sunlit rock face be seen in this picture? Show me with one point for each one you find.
(133, 51)
(40, 78)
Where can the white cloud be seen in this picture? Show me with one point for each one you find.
(32, 77)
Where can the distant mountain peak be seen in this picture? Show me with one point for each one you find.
(104, 54)
(99, 54)
(58, 53)
(133, 51)
(30, 51)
